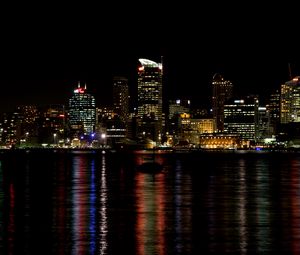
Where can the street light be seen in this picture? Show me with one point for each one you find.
(54, 138)
(103, 137)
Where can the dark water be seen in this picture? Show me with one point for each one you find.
(93, 203)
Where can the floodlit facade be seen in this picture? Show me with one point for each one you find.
(150, 98)
(241, 117)
(82, 111)
(290, 101)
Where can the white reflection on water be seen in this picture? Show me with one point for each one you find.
(242, 207)
(262, 206)
(78, 205)
(183, 211)
(103, 209)
(178, 209)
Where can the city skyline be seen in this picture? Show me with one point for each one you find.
(57, 91)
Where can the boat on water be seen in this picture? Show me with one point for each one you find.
(149, 161)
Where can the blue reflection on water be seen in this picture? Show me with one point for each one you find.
(93, 210)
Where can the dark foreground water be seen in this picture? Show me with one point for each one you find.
(200, 203)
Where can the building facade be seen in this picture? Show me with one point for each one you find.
(290, 101)
(82, 111)
(241, 117)
(121, 97)
(149, 98)
(222, 90)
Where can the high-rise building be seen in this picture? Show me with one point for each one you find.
(149, 95)
(273, 107)
(82, 111)
(221, 92)
(51, 121)
(290, 101)
(241, 117)
(121, 97)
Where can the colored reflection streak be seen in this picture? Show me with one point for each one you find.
(80, 206)
(92, 227)
(150, 205)
(295, 206)
(103, 209)
(263, 207)
(242, 208)
(182, 211)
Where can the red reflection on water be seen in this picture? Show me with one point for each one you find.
(161, 220)
(295, 207)
(150, 222)
(144, 156)
(79, 205)
(141, 219)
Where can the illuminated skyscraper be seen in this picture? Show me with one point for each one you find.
(121, 97)
(290, 101)
(241, 117)
(150, 98)
(222, 91)
(82, 111)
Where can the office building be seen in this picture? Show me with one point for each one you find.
(82, 111)
(222, 90)
(121, 97)
(150, 99)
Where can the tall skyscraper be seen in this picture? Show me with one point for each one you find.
(273, 107)
(121, 97)
(222, 91)
(290, 101)
(82, 111)
(150, 98)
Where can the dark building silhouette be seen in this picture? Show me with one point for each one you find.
(222, 90)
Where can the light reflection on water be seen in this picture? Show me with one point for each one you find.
(263, 207)
(101, 204)
(103, 209)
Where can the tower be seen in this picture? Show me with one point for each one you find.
(290, 101)
(222, 91)
(150, 98)
(121, 97)
(82, 111)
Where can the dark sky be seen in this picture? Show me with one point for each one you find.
(45, 50)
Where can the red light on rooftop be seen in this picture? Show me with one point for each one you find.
(79, 90)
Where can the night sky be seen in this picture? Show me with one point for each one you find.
(46, 50)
